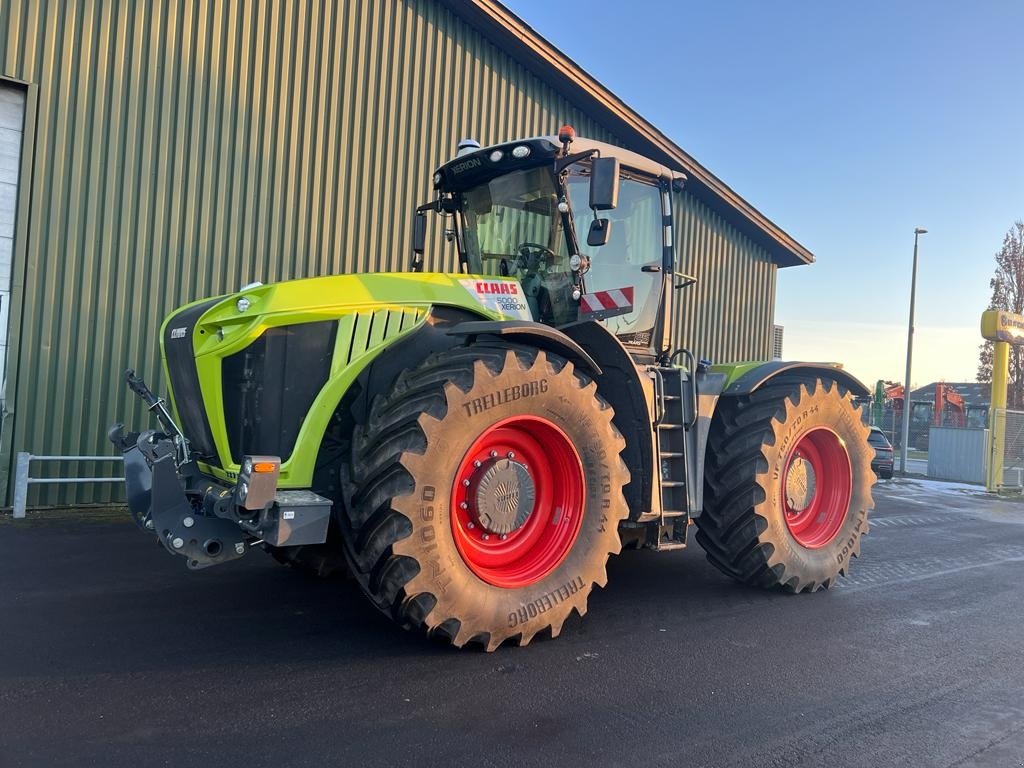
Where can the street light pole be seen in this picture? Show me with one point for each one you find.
(918, 231)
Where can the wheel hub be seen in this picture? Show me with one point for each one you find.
(800, 484)
(517, 501)
(503, 497)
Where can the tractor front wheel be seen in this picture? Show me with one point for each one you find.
(787, 485)
(485, 495)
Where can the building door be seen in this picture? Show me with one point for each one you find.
(12, 121)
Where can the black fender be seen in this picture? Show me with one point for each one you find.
(620, 382)
(756, 377)
(534, 334)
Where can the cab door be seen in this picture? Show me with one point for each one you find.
(629, 266)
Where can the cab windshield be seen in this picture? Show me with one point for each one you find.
(513, 228)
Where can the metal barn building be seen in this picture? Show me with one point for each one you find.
(156, 152)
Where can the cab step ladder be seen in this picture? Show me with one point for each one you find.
(673, 417)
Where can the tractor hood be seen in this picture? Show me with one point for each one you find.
(262, 370)
(235, 320)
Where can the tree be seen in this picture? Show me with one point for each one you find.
(1008, 294)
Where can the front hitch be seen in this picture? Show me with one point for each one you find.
(161, 482)
(203, 540)
(158, 501)
(197, 516)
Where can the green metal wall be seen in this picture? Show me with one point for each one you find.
(728, 315)
(183, 148)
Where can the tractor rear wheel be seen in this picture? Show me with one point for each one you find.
(787, 485)
(485, 495)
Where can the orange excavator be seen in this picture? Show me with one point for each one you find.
(949, 407)
(887, 408)
(887, 394)
(947, 410)
(894, 393)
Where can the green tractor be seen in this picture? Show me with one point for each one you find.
(472, 447)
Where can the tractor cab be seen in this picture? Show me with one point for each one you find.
(585, 227)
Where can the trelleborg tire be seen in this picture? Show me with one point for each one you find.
(485, 495)
(787, 485)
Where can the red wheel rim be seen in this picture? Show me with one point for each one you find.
(816, 487)
(519, 553)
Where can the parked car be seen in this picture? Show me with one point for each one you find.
(882, 463)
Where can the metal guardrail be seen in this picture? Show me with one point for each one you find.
(22, 479)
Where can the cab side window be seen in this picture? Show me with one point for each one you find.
(634, 242)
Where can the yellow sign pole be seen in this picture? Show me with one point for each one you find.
(1004, 329)
(997, 414)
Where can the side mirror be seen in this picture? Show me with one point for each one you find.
(419, 233)
(604, 183)
(600, 230)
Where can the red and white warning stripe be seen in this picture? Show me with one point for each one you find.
(620, 299)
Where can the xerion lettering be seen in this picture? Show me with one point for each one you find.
(465, 165)
(506, 395)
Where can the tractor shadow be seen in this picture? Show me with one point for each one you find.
(89, 598)
(92, 598)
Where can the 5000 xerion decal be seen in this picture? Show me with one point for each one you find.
(502, 296)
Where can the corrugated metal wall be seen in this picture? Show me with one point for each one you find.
(958, 454)
(184, 148)
(728, 314)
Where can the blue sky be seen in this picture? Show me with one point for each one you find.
(848, 124)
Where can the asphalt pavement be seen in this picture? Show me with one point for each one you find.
(112, 653)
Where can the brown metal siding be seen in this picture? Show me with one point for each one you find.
(183, 148)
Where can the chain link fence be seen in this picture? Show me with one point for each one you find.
(891, 424)
(1010, 424)
(922, 419)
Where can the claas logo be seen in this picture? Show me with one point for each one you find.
(497, 287)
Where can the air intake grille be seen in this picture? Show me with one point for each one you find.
(270, 385)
